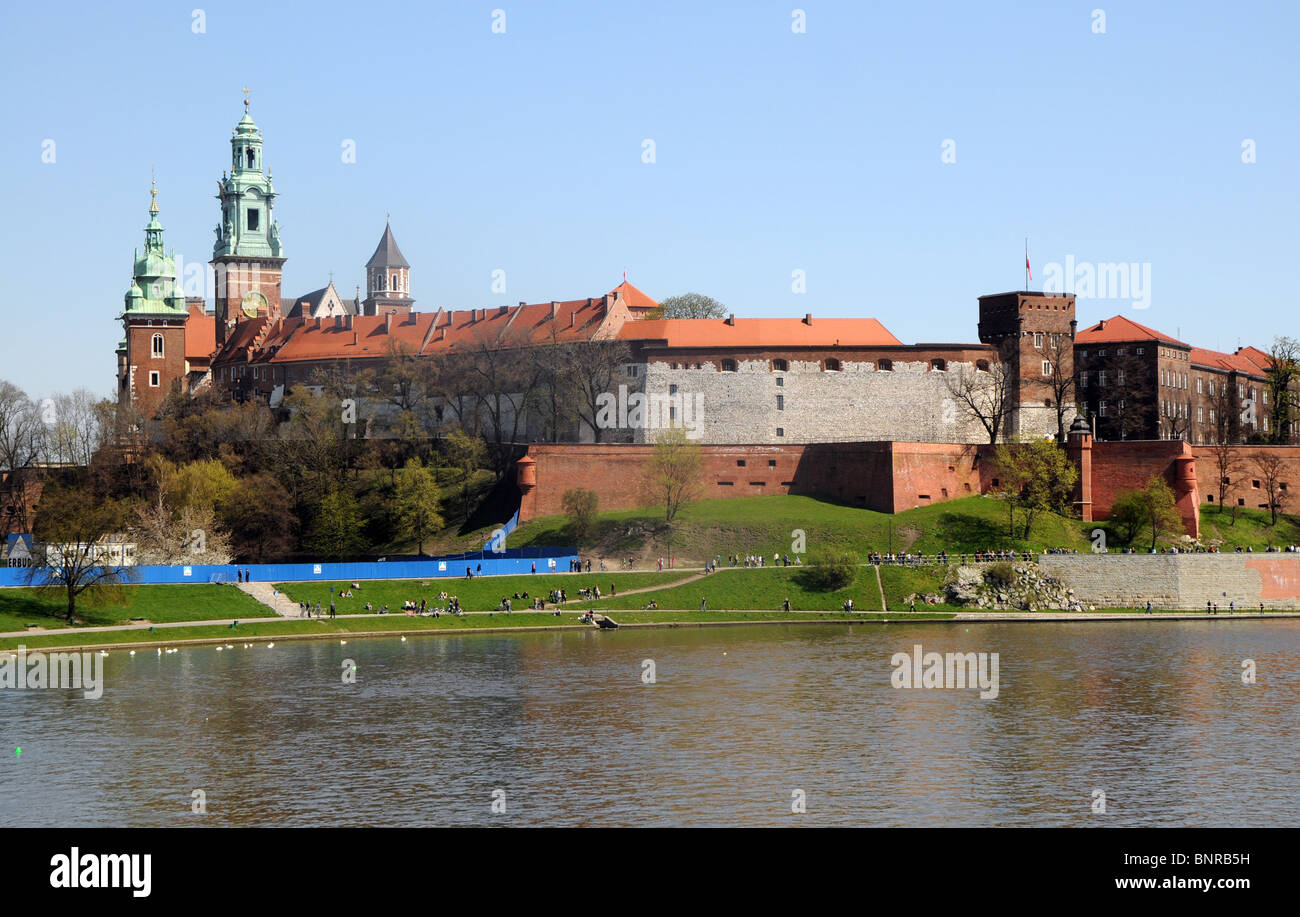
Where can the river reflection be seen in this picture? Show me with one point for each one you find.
(1154, 714)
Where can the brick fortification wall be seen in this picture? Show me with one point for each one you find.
(1118, 466)
(888, 477)
(1180, 580)
(1242, 487)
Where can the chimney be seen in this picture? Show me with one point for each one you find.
(354, 339)
(318, 323)
(573, 318)
(807, 318)
(348, 322)
(1101, 324)
(503, 310)
(482, 314)
(731, 320)
(588, 302)
(338, 322)
(522, 303)
(388, 323)
(555, 309)
(442, 333)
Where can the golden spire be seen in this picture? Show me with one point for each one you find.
(246, 92)
(153, 194)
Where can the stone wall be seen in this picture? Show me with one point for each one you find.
(1180, 580)
(808, 404)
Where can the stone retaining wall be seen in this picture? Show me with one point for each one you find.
(1179, 580)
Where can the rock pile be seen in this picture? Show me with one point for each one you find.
(1027, 590)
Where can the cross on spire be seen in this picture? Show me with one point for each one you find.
(246, 92)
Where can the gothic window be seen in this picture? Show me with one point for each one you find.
(157, 345)
(396, 286)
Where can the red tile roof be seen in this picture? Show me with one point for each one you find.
(634, 298)
(200, 334)
(1226, 362)
(1119, 329)
(761, 332)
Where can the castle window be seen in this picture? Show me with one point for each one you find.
(1047, 367)
(780, 431)
(1198, 385)
(780, 381)
(1119, 376)
(740, 463)
(1083, 378)
(832, 366)
(981, 366)
(253, 218)
(248, 154)
(157, 345)
(885, 366)
(1140, 351)
(154, 380)
(1101, 378)
(780, 366)
(728, 366)
(1038, 339)
(672, 390)
(395, 284)
(938, 365)
(780, 402)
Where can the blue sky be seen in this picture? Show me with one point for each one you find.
(774, 152)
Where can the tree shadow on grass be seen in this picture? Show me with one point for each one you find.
(965, 532)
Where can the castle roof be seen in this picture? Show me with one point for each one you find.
(200, 333)
(760, 332)
(387, 254)
(634, 298)
(1119, 329)
(1227, 362)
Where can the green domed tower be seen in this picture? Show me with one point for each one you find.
(151, 356)
(247, 258)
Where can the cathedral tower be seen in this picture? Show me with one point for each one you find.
(388, 279)
(151, 357)
(247, 258)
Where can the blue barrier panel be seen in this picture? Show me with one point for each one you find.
(482, 563)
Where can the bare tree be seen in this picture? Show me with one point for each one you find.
(598, 369)
(1059, 353)
(1176, 420)
(22, 432)
(982, 394)
(1271, 468)
(1229, 467)
(1283, 374)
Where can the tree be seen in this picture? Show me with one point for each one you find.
(673, 474)
(580, 506)
(466, 455)
(690, 305)
(1282, 375)
(337, 529)
(1229, 467)
(71, 525)
(74, 435)
(259, 516)
(1271, 469)
(1058, 351)
(1225, 411)
(416, 501)
(22, 433)
(189, 535)
(1154, 508)
(597, 369)
(1033, 476)
(982, 394)
(828, 571)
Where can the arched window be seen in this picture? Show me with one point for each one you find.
(885, 366)
(832, 366)
(157, 345)
(939, 365)
(780, 366)
(248, 153)
(395, 286)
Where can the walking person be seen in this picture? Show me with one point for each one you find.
(704, 606)
(1148, 606)
(331, 609)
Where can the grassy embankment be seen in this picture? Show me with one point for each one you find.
(764, 525)
(157, 604)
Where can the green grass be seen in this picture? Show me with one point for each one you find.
(1253, 528)
(159, 604)
(479, 594)
(263, 630)
(759, 589)
(900, 582)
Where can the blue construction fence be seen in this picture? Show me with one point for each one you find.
(481, 563)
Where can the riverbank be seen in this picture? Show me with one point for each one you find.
(363, 626)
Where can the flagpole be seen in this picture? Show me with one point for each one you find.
(1026, 286)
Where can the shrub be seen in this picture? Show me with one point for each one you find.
(1000, 575)
(580, 506)
(830, 571)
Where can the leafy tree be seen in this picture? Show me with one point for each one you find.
(71, 525)
(580, 506)
(673, 474)
(466, 454)
(1154, 508)
(1033, 477)
(259, 516)
(690, 305)
(416, 501)
(337, 530)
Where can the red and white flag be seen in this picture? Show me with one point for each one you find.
(1028, 269)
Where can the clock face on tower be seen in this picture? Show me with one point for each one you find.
(252, 303)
